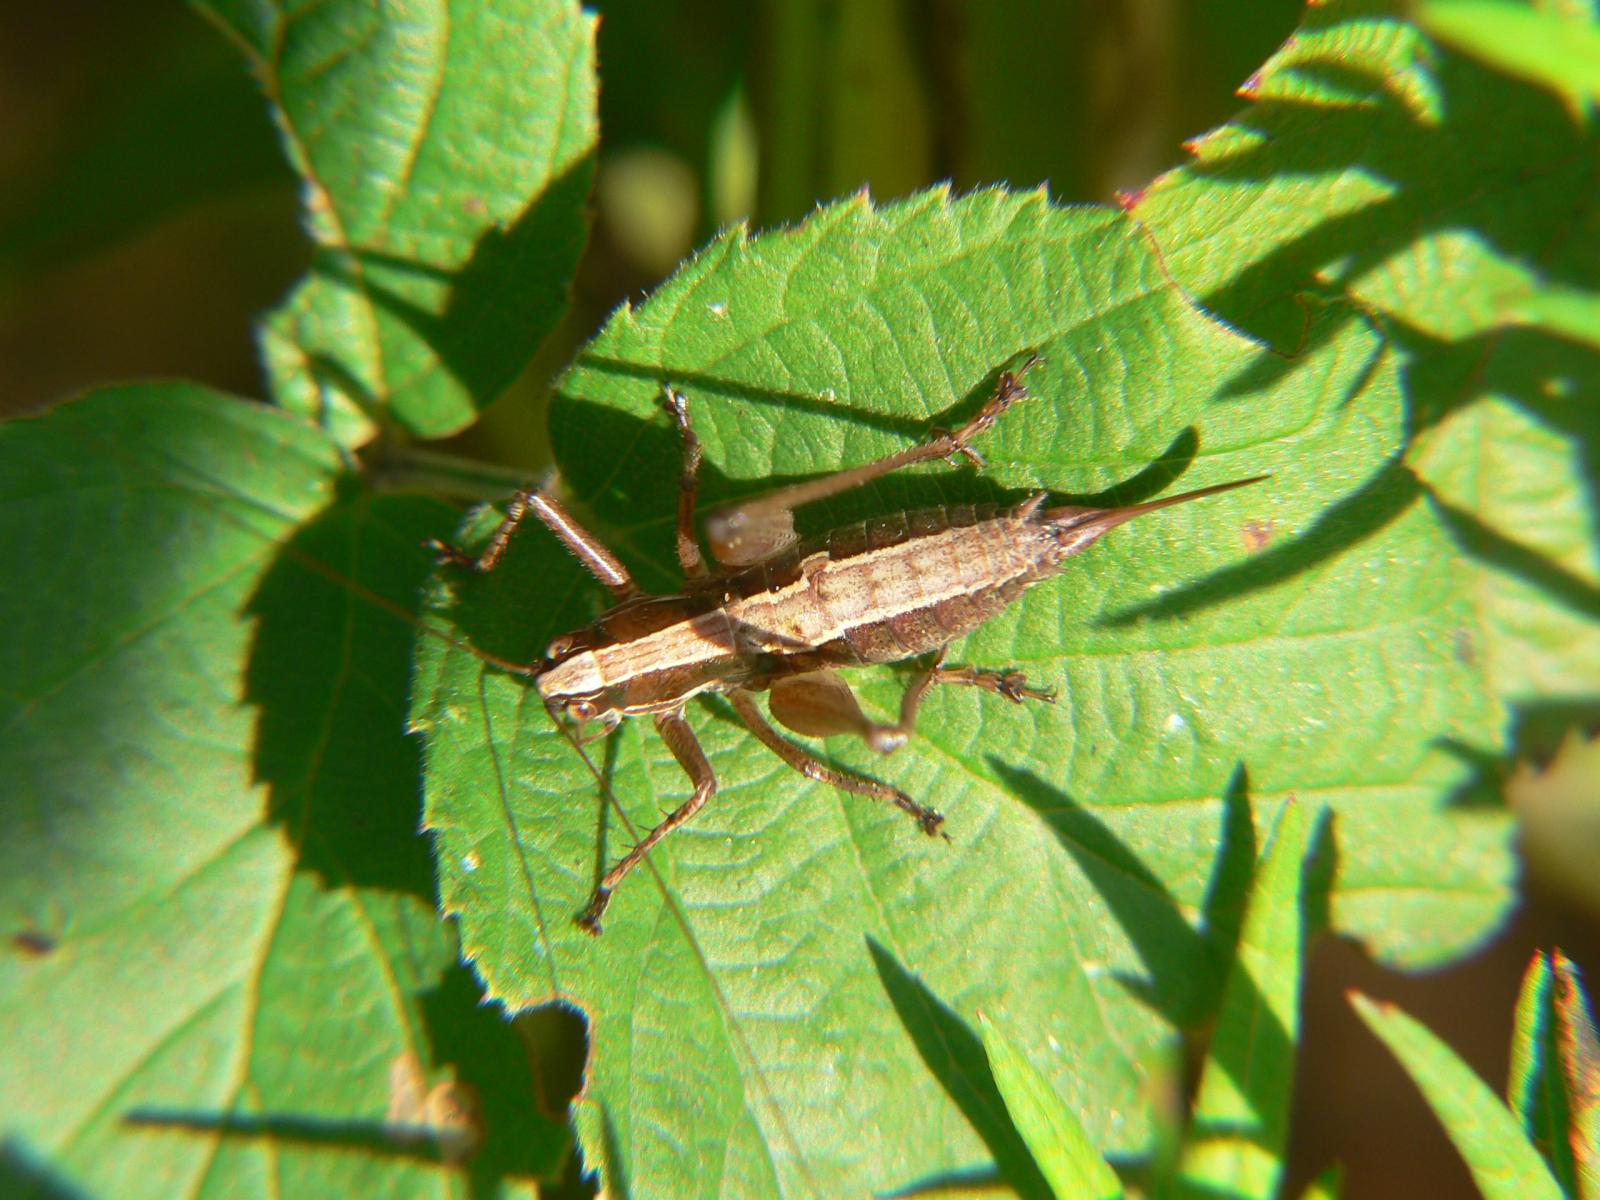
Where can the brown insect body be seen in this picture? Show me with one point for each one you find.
(877, 591)
(785, 612)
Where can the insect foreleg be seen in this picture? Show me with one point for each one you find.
(812, 767)
(686, 749)
(760, 527)
(585, 547)
(689, 556)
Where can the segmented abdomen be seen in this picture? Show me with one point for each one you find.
(894, 586)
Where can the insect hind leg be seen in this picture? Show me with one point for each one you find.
(760, 527)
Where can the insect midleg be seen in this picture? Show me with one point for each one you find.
(689, 556)
(738, 534)
(584, 546)
(1004, 681)
(812, 767)
(680, 739)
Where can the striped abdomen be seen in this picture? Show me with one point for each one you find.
(891, 587)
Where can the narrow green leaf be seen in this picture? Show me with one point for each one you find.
(1544, 47)
(447, 152)
(1504, 1165)
(219, 918)
(1535, 1089)
(1236, 1142)
(1083, 834)
(1375, 167)
(1059, 1145)
(1579, 1050)
(1327, 1186)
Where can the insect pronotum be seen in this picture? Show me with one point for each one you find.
(782, 614)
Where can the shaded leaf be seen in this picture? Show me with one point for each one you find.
(1373, 166)
(220, 919)
(446, 152)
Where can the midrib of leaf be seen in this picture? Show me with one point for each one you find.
(165, 1041)
(132, 636)
(749, 1070)
(168, 1036)
(736, 242)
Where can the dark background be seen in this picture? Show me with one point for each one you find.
(146, 218)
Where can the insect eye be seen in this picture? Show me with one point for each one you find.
(583, 710)
(560, 647)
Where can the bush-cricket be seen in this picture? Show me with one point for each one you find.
(783, 614)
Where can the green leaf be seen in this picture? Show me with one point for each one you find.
(1374, 167)
(1327, 1186)
(220, 919)
(447, 152)
(1059, 1145)
(1555, 1062)
(1237, 1139)
(1547, 48)
(1579, 1063)
(732, 998)
(1534, 1089)
(1483, 1131)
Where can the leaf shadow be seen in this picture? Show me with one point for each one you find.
(24, 1177)
(523, 1091)
(614, 1179)
(324, 671)
(1183, 964)
(327, 671)
(485, 1051)
(503, 300)
(954, 1055)
(1402, 133)
(1385, 497)
(1558, 584)
(1187, 968)
(378, 1139)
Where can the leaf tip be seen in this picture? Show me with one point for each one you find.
(1365, 1006)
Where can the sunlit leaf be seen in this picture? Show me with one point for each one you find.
(1239, 1132)
(742, 1032)
(1064, 1153)
(446, 152)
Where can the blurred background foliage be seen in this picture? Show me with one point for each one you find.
(147, 217)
